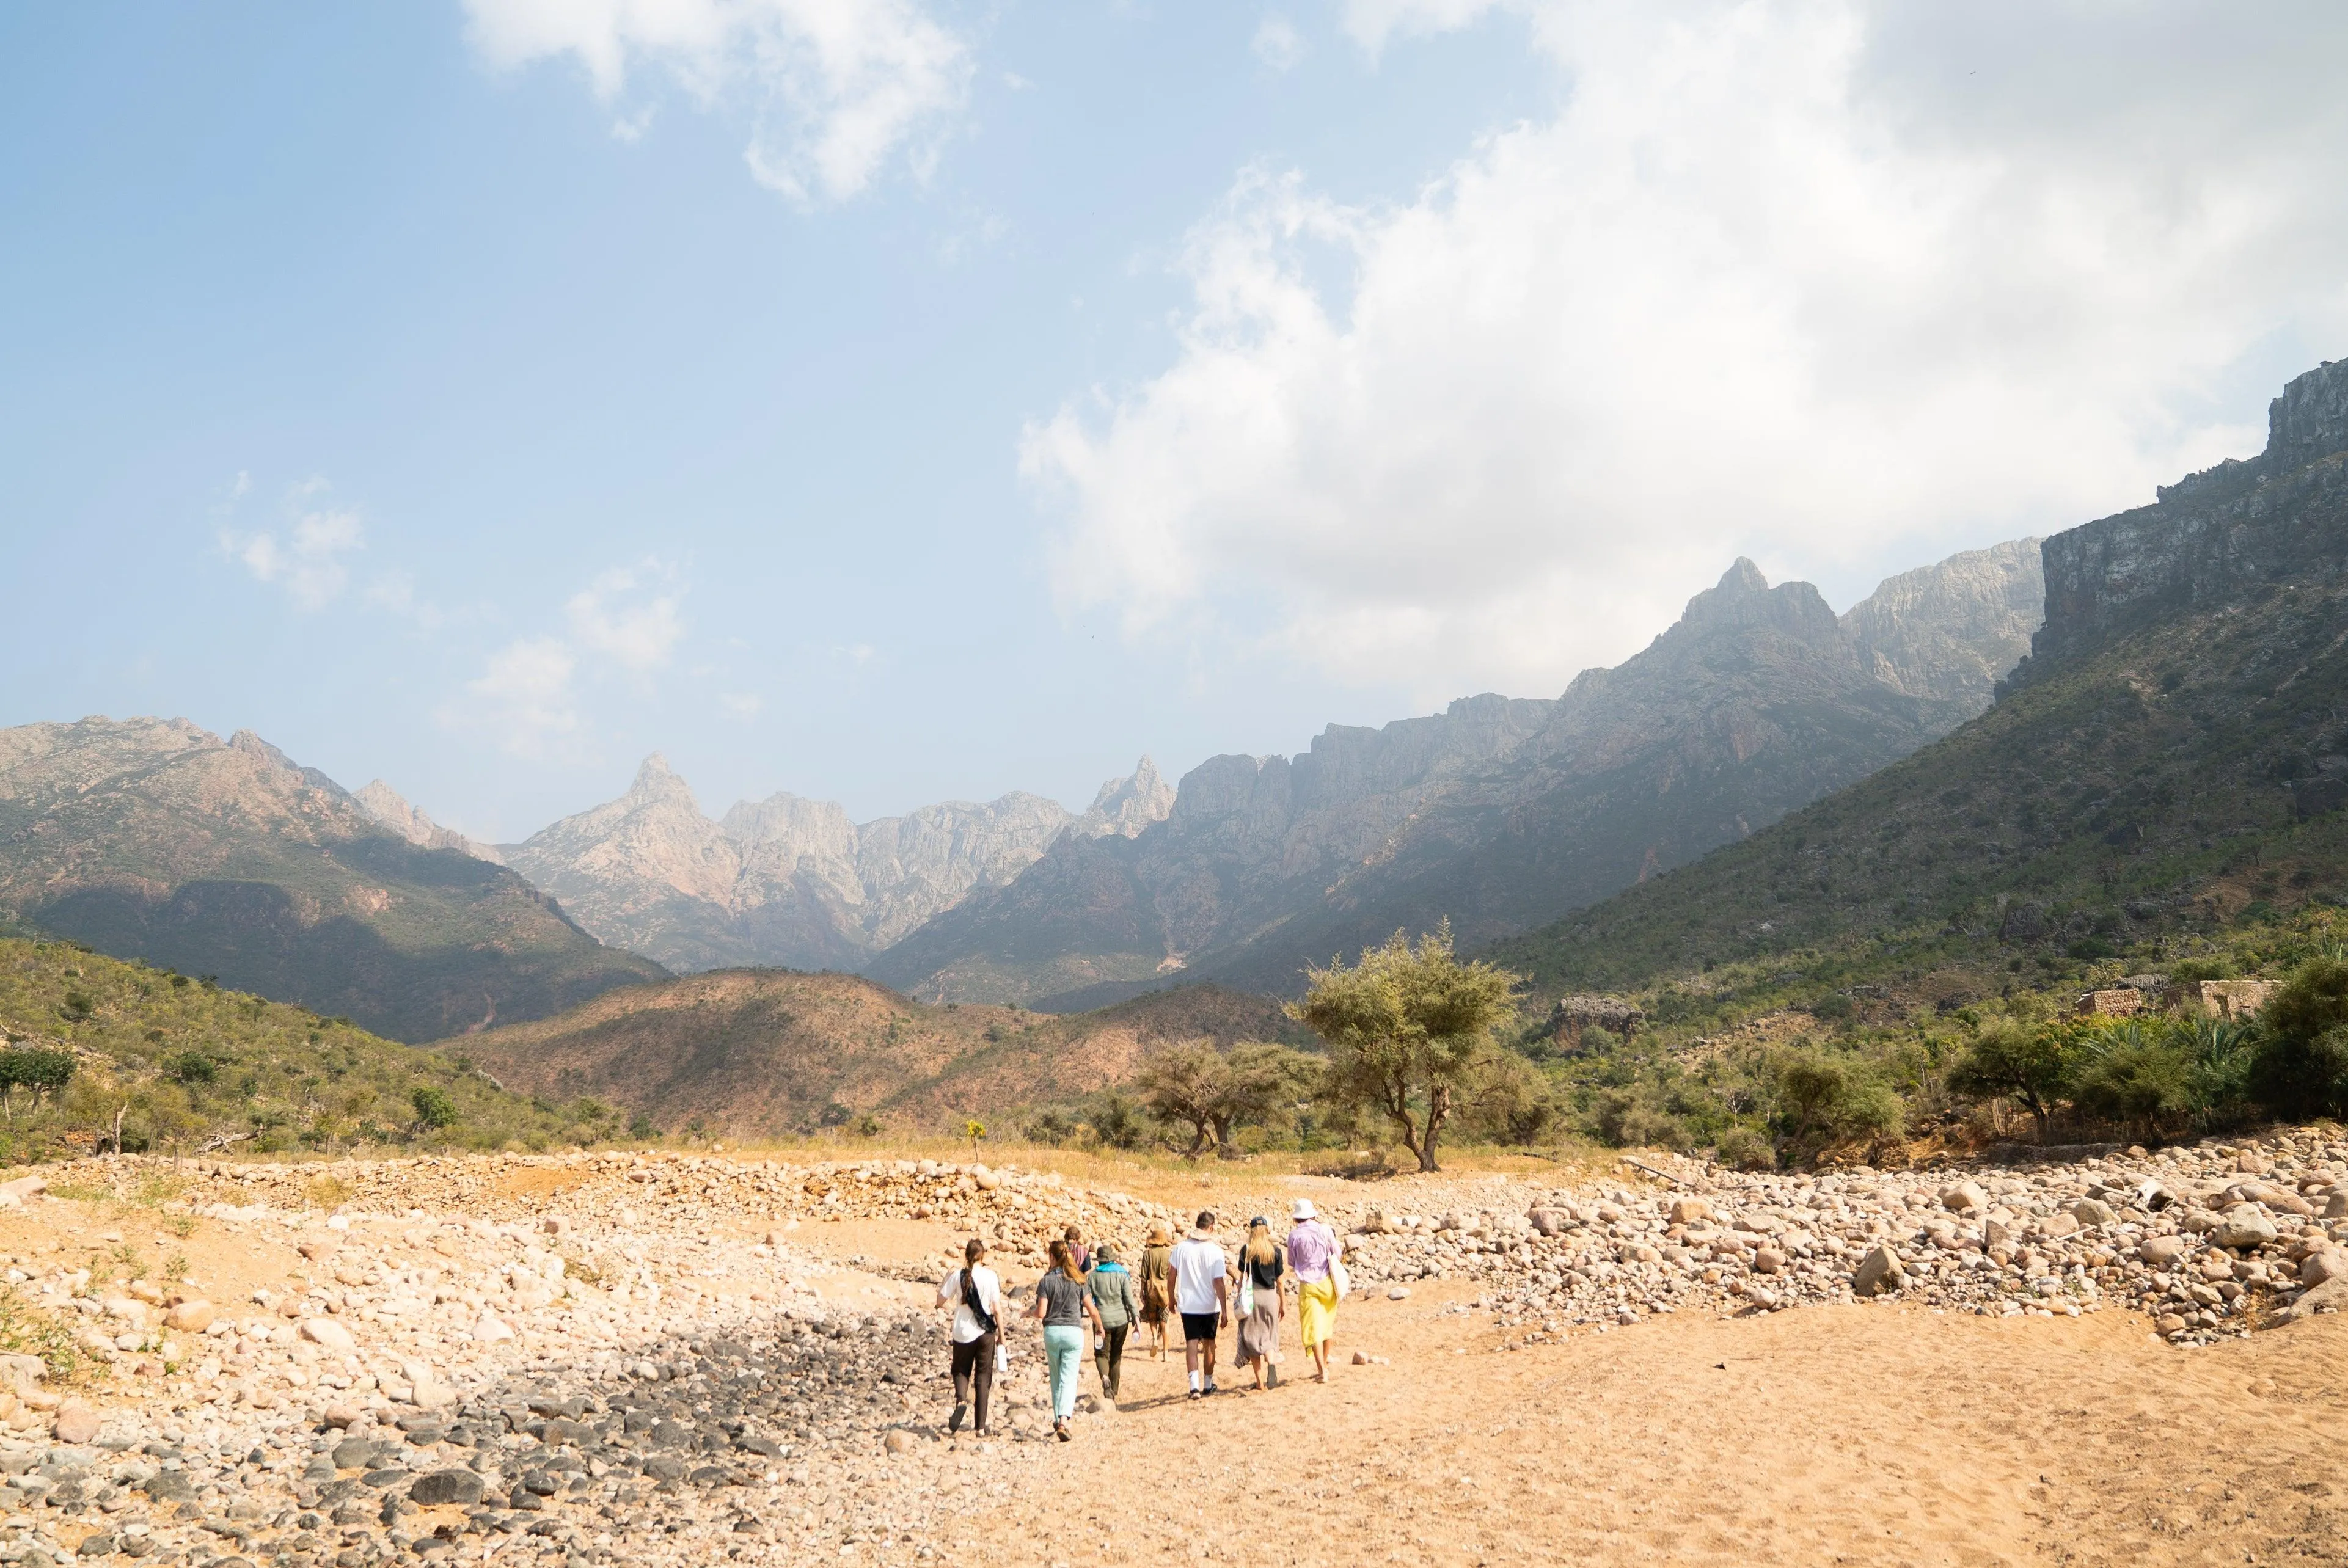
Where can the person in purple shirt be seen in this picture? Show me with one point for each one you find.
(1313, 1258)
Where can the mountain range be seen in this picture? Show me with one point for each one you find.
(153, 839)
(1498, 813)
(792, 882)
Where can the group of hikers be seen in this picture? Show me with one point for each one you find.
(1088, 1293)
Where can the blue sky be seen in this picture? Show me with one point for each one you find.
(892, 402)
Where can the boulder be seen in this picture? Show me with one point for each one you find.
(328, 1335)
(1688, 1211)
(461, 1487)
(21, 1374)
(191, 1316)
(2336, 1207)
(489, 1329)
(2243, 1227)
(1878, 1273)
(77, 1422)
(1548, 1222)
(2332, 1295)
(2326, 1263)
(2093, 1212)
(2058, 1224)
(2160, 1250)
(1965, 1198)
(1769, 1260)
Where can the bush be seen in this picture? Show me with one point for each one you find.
(2299, 1080)
(2137, 1079)
(1823, 1100)
(434, 1109)
(191, 1067)
(1742, 1149)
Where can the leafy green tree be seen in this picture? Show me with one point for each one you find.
(434, 1109)
(1410, 1032)
(2135, 1074)
(2029, 1062)
(39, 1069)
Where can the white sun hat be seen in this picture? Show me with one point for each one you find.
(1303, 1210)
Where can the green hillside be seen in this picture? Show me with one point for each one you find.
(188, 1065)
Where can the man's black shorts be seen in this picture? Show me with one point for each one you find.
(1201, 1325)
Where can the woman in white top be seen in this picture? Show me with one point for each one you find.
(976, 1295)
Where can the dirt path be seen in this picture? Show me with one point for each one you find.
(1878, 1435)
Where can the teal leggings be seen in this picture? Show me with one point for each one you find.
(1064, 1351)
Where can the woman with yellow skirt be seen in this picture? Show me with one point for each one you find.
(1313, 1258)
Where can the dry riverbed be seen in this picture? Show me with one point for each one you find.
(587, 1358)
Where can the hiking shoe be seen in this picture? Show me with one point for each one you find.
(1060, 1431)
(953, 1422)
(1210, 1387)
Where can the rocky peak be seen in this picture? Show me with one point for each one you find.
(655, 781)
(1742, 600)
(1124, 806)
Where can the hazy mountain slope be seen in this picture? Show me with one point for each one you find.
(152, 839)
(791, 881)
(389, 807)
(772, 1051)
(2177, 744)
(1498, 814)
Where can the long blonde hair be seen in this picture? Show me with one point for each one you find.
(1261, 1247)
(1063, 1258)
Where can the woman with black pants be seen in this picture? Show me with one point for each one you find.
(976, 1295)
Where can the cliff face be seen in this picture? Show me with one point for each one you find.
(152, 839)
(391, 810)
(2208, 537)
(791, 881)
(1497, 813)
(2170, 756)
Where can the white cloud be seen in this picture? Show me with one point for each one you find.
(533, 691)
(526, 694)
(836, 89)
(1278, 44)
(1829, 283)
(310, 558)
(613, 617)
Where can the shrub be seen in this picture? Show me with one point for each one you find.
(434, 1109)
(191, 1067)
(1742, 1148)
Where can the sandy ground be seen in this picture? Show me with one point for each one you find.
(1880, 1434)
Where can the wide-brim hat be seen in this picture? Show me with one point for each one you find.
(1301, 1210)
(1160, 1235)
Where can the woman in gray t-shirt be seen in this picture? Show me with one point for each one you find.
(1067, 1309)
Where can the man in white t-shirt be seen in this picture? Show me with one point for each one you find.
(1200, 1287)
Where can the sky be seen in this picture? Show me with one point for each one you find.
(893, 401)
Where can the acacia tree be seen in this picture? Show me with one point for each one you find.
(1213, 1094)
(1410, 1032)
(2032, 1064)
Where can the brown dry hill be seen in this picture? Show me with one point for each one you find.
(770, 1052)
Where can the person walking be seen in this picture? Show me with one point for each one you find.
(976, 1297)
(1112, 1286)
(1201, 1296)
(1157, 1289)
(1313, 1257)
(1065, 1308)
(1260, 1307)
(1079, 1250)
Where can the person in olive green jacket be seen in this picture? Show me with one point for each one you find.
(1112, 1288)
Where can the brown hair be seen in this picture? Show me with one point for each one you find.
(1261, 1247)
(971, 1251)
(1073, 1234)
(1063, 1257)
